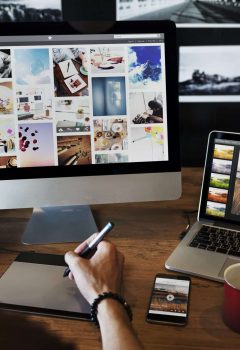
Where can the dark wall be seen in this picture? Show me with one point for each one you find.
(89, 9)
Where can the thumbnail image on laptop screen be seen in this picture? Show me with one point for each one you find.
(223, 187)
(83, 100)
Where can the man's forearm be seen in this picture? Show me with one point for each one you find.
(116, 328)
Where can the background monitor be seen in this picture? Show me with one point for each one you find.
(208, 33)
(107, 129)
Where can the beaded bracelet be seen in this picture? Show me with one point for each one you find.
(115, 296)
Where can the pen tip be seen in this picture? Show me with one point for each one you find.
(66, 272)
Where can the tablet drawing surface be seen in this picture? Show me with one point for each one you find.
(34, 283)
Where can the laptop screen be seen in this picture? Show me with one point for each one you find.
(221, 185)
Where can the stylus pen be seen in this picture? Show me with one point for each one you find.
(68, 66)
(91, 248)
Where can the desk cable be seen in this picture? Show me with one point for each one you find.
(187, 228)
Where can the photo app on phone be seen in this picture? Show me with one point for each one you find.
(169, 300)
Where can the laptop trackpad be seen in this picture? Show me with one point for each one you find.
(227, 263)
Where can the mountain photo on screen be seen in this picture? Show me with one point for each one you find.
(209, 74)
(30, 10)
(144, 67)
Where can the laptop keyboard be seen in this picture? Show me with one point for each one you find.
(217, 240)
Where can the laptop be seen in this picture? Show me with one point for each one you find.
(213, 242)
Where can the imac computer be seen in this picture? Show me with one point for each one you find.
(88, 115)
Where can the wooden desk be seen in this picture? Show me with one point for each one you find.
(146, 233)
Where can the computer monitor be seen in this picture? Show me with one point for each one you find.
(106, 130)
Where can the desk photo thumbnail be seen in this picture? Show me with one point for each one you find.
(145, 108)
(74, 150)
(73, 115)
(34, 103)
(70, 67)
(110, 134)
(107, 60)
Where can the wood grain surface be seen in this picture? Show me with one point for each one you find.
(146, 233)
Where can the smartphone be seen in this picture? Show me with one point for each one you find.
(169, 300)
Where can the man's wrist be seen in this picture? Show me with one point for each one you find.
(100, 306)
(111, 309)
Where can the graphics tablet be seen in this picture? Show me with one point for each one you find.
(34, 283)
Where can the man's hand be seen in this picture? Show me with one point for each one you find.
(102, 273)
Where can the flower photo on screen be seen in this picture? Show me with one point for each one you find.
(7, 136)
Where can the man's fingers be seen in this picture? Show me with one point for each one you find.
(81, 246)
(71, 259)
(70, 276)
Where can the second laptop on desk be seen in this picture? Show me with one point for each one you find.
(213, 242)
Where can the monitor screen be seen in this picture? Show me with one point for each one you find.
(104, 100)
(95, 104)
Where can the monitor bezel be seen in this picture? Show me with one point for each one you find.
(110, 27)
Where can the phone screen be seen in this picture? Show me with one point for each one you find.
(169, 299)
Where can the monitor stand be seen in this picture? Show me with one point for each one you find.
(59, 224)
